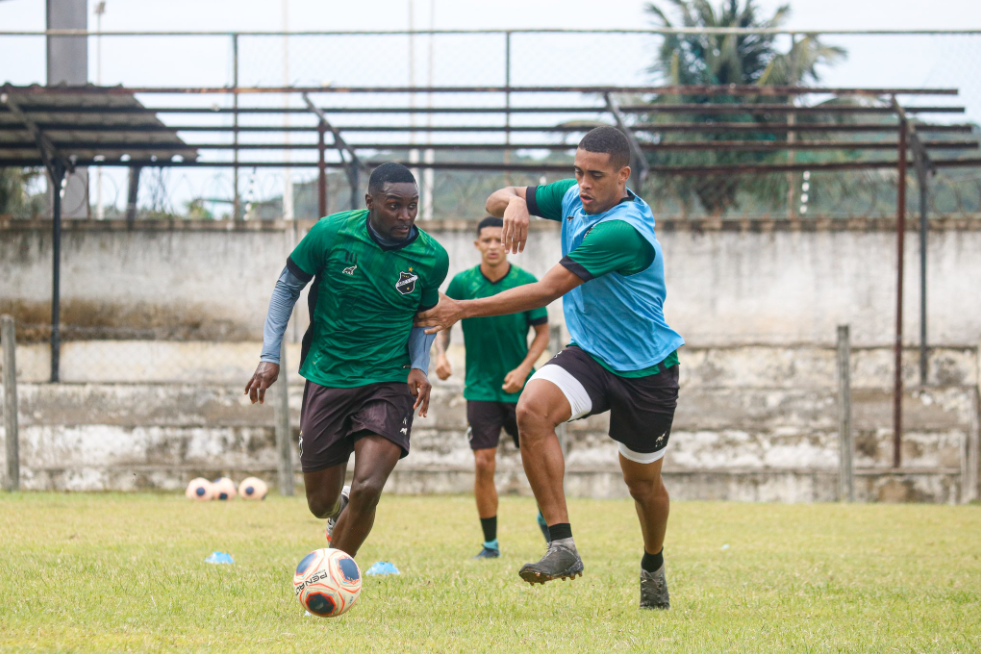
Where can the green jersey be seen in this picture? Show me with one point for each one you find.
(496, 345)
(363, 299)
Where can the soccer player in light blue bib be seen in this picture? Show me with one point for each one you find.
(623, 355)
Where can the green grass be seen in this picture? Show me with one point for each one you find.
(120, 573)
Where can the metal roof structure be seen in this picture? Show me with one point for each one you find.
(42, 126)
(64, 126)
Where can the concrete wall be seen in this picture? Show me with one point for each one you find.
(753, 424)
(758, 303)
(761, 282)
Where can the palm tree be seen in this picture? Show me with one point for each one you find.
(722, 59)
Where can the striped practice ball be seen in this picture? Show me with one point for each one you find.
(327, 582)
(200, 489)
(252, 488)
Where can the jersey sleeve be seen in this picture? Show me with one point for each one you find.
(537, 316)
(546, 201)
(611, 246)
(455, 290)
(430, 292)
(310, 254)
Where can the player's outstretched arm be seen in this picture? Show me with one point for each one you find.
(557, 282)
(510, 204)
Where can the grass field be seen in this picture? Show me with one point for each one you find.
(115, 573)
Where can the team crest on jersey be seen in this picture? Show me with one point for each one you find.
(406, 283)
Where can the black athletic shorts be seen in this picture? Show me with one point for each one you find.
(332, 419)
(641, 409)
(485, 421)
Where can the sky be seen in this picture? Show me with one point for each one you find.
(483, 14)
(909, 61)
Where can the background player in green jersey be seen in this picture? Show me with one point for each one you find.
(364, 362)
(622, 358)
(499, 362)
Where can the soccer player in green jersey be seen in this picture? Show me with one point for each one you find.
(623, 356)
(364, 362)
(499, 363)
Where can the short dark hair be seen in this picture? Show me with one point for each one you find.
(609, 140)
(392, 172)
(489, 221)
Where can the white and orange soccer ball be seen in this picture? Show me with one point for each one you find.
(200, 489)
(327, 582)
(224, 488)
(252, 488)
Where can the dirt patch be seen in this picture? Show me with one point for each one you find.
(86, 320)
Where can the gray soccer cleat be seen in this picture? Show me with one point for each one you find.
(559, 562)
(654, 589)
(332, 521)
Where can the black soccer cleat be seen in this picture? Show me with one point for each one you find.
(654, 590)
(558, 563)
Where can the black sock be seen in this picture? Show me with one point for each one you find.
(652, 562)
(559, 531)
(489, 525)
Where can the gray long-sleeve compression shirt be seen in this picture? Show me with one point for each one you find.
(284, 297)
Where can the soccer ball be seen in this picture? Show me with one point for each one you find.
(327, 582)
(200, 489)
(224, 488)
(252, 488)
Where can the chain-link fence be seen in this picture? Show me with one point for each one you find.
(397, 126)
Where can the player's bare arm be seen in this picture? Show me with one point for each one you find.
(557, 282)
(443, 368)
(509, 203)
(514, 381)
(265, 376)
(420, 388)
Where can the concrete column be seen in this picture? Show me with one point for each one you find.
(68, 63)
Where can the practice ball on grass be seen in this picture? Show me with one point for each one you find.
(327, 582)
(200, 489)
(252, 488)
(224, 488)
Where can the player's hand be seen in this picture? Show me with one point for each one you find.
(440, 317)
(443, 369)
(514, 381)
(515, 232)
(265, 376)
(420, 387)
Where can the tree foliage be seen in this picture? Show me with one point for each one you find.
(723, 59)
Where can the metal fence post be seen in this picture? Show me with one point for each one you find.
(846, 471)
(236, 199)
(284, 433)
(8, 335)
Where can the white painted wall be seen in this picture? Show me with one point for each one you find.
(725, 287)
